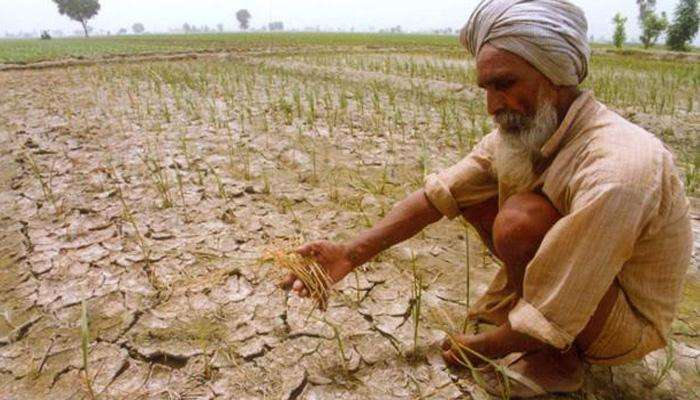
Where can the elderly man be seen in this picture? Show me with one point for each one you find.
(585, 210)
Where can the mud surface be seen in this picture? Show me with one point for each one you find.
(156, 217)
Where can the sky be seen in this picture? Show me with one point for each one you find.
(362, 15)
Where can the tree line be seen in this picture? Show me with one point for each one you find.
(679, 33)
(84, 10)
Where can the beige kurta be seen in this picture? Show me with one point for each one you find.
(625, 219)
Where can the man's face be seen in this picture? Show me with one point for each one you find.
(514, 89)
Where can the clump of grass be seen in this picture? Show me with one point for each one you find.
(417, 294)
(129, 217)
(159, 176)
(662, 368)
(219, 182)
(46, 185)
(692, 175)
(306, 269)
(84, 341)
(339, 341)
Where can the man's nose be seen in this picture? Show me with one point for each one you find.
(494, 102)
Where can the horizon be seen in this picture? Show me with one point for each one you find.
(31, 17)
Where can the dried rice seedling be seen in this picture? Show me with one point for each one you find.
(306, 269)
(84, 344)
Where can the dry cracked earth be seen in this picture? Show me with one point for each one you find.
(178, 304)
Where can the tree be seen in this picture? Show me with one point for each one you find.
(620, 35)
(652, 27)
(243, 17)
(645, 6)
(138, 28)
(122, 31)
(220, 27)
(275, 26)
(79, 10)
(686, 21)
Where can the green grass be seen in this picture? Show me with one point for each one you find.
(637, 47)
(33, 50)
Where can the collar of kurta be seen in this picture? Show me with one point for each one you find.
(572, 124)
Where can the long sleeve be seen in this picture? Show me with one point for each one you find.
(468, 182)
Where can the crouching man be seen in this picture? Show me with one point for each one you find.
(585, 210)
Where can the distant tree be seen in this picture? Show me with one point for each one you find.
(652, 25)
(186, 27)
(276, 26)
(652, 28)
(686, 21)
(220, 27)
(122, 31)
(138, 28)
(243, 16)
(620, 35)
(645, 6)
(45, 35)
(79, 10)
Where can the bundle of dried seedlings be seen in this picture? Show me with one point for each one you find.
(306, 269)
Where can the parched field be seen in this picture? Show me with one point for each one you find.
(147, 193)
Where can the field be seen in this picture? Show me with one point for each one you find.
(23, 51)
(137, 198)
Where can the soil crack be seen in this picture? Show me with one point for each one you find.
(18, 333)
(175, 361)
(295, 392)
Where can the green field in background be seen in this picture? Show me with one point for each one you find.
(33, 50)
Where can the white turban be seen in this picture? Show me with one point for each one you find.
(549, 34)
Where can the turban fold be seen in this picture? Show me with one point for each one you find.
(549, 34)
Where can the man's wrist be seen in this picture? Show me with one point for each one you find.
(353, 254)
(504, 340)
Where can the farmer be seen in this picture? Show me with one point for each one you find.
(585, 210)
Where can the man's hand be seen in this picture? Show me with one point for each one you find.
(331, 256)
(493, 344)
(405, 220)
(460, 350)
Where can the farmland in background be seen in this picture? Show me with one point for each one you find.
(150, 188)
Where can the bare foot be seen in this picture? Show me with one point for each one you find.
(535, 374)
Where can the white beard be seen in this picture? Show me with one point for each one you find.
(519, 148)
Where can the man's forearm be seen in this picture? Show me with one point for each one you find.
(406, 219)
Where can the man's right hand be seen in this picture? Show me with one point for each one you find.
(404, 220)
(332, 257)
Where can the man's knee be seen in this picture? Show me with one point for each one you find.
(520, 226)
